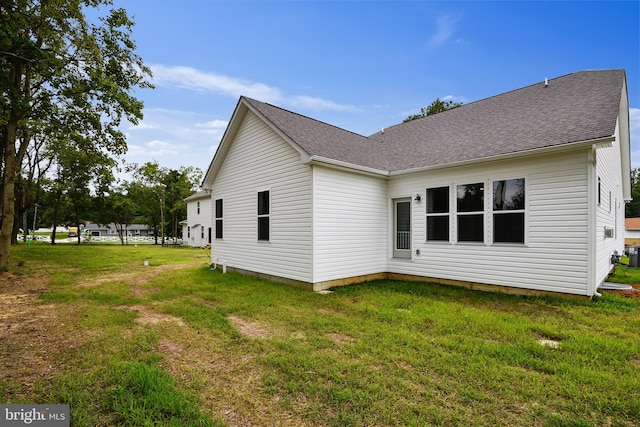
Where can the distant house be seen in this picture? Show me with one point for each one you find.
(110, 230)
(632, 231)
(521, 192)
(196, 229)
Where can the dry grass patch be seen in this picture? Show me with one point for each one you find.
(140, 276)
(251, 329)
(147, 316)
(228, 383)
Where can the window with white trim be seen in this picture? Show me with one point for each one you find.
(219, 219)
(198, 207)
(263, 215)
(470, 212)
(438, 214)
(509, 211)
(188, 232)
(202, 231)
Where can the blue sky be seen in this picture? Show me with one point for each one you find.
(359, 65)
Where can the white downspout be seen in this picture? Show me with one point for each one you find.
(592, 189)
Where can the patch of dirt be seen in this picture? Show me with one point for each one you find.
(633, 293)
(251, 329)
(140, 276)
(144, 291)
(146, 316)
(340, 338)
(33, 337)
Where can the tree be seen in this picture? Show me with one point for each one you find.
(117, 207)
(632, 210)
(67, 73)
(149, 180)
(179, 185)
(435, 107)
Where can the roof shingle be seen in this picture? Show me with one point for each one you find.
(576, 107)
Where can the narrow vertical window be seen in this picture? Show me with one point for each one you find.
(219, 219)
(438, 214)
(263, 215)
(188, 232)
(599, 191)
(508, 211)
(470, 211)
(202, 231)
(198, 207)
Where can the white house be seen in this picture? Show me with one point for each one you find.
(521, 192)
(196, 229)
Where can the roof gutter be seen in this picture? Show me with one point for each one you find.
(337, 164)
(603, 142)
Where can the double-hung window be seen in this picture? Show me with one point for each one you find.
(263, 215)
(470, 212)
(509, 211)
(198, 207)
(438, 214)
(219, 219)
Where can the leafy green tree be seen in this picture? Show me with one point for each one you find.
(150, 184)
(435, 107)
(67, 73)
(179, 184)
(115, 206)
(632, 210)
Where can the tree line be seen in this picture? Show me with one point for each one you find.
(61, 194)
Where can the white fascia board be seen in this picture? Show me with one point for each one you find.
(337, 164)
(598, 142)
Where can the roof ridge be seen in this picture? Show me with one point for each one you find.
(499, 95)
(252, 100)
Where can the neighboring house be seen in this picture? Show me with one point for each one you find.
(632, 231)
(196, 229)
(110, 230)
(523, 191)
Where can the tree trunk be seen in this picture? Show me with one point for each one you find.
(56, 210)
(8, 196)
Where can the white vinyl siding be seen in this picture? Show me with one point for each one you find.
(554, 256)
(351, 228)
(259, 158)
(610, 211)
(198, 215)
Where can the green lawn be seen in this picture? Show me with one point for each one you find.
(175, 343)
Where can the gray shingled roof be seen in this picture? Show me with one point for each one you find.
(577, 107)
(322, 139)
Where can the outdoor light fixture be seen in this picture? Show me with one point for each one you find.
(417, 198)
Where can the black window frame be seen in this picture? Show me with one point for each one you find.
(264, 216)
(219, 215)
(470, 212)
(437, 214)
(509, 214)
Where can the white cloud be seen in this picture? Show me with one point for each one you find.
(445, 27)
(319, 104)
(213, 124)
(192, 79)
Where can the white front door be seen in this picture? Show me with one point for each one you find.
(402, 228)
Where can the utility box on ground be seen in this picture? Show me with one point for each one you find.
(633, 256)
